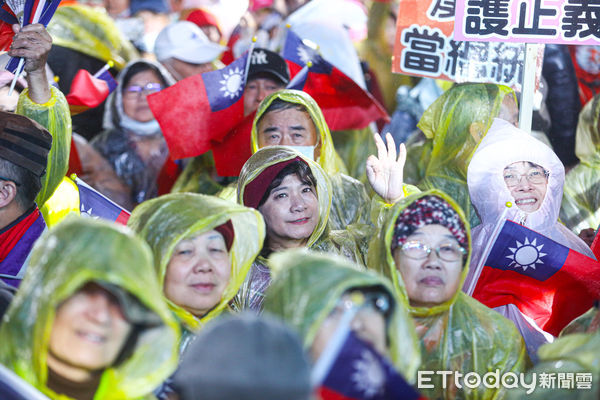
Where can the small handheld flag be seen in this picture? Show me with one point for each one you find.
(548, 282)
(93, 204)
(89, 91)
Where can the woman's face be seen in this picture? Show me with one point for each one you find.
(430, 280)
(291, 213)
(368, 325)
(140, 85)
(527, 183)
(88, 333)
(198, 273)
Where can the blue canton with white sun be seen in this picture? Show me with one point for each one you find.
(527, 252)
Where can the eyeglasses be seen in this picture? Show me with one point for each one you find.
(447, 251)
(9, 180)
(149, 88)
(533, 176)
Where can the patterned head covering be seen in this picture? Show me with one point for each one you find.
(429, 210)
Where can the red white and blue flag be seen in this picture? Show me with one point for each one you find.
(344, 103)
(93, 204)
(360, 373)
(201, 108)
(89, 91)
(548, 282)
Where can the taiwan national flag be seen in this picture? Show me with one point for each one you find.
(89, 91)
(547, 281)
(200, 108)
(359, 372)
(93, 204)
(345, 105)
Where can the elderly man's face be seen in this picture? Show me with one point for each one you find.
(256, 90)
(527, 183)
(434, 278)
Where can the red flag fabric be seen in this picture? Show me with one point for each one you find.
(88, 91)
(344, 103)
(200, 109)
(547, 281)
(234, 150)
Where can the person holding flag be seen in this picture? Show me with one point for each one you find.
(540, 291)
(424, 248)
(357, 332)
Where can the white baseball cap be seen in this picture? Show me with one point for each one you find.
(185, 41)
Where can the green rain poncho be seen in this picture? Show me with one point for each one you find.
(573, 362)
(77, 251)
(459, 335)
(307, 287)
(454, 125)
(351, 243)
(92, 32)
(349, 197)
(54, 115)
(165, 221)
(580, 207)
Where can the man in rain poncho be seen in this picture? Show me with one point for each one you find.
(306, 290)
(456, 332)
(88, 320)
(580, 207)
(504, 152)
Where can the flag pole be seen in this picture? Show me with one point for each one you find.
(252, 44)
(17, 74)
(299, 76)
(487, 249)
(105, 68)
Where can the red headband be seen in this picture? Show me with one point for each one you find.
(255, 190)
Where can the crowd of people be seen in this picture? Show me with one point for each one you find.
(375, 239)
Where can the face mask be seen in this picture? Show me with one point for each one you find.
(306, 151)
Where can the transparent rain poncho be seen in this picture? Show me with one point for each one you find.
(307, 287)
(581, 201)
(349, 197)
(454, 125)
(165, 221)
(351, 242)
(459, 335)
(54, 115)
(91, 31)
(77, 251)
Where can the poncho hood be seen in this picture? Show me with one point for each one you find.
(307, 287)
(77, 251)
(272, 155)
(165, 221)
(329, 160)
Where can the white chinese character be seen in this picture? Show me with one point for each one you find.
(584, 380)
(547, 380)
(566, 380)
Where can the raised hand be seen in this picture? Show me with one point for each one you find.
(386, 172)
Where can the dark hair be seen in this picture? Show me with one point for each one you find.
(29, 185)
(300, 169)
(141, 67)
(280, 105)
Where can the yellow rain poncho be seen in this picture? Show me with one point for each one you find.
(165, 221)
(68, 256)
(92, 32)
(54, 115)
(349, 197)
(569, 368)
(580, 207)
(307, 287)
(454, 125)
(459, 335)
(351, 243)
